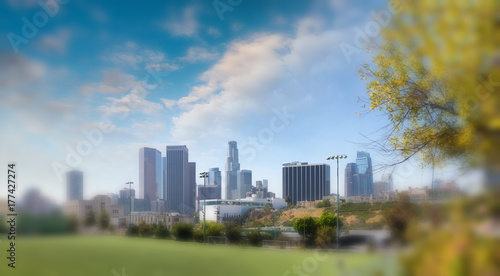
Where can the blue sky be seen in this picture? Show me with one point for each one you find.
(157, 73)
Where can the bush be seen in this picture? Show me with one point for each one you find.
(255, 238)
(325, 236)
(162, 231)
(133, 230)
(214, 229)
(198, 234)
(323, 204)
(183, 231)
(104, 219)
(233, 233)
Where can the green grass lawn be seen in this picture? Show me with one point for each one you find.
(120, 256)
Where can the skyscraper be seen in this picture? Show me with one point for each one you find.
(244, 183)
(214, 177)
(365, 171)
(303, 182)
(176, 179)
(150, 178)
(190, 189)
(232, 167)
(74, 185)
(351, 180)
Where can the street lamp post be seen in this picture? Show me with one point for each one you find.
(130, 196)
(338, 218)
(204, 175)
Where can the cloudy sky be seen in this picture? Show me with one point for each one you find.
(85, 84)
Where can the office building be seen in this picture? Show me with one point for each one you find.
(127, 193)
(150, 178)
(214, 177)
(304, 182)
(168, 219)
(243, 183)
(232, 167)
(190, 189)
(74, 185)
(176, 179)
(365, 173)
(351, 180)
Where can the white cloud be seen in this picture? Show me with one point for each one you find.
(253, 77)
(169, 104)
(213, 32)
(195, 54)
(57, 41)
(114, 82)
(184, 25)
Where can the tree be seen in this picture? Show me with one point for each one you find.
(288, 200)
(325, 235)
(306, 226)
(73, 224)
(324, 203)
(104, 219)
(438, 82)
(328, 219)
(399, 216)
(183, 231)
(145, 230)
(255, 238)
(162, 231)
(233, 233)
(133, 230)
(214, 229)
(90, 219)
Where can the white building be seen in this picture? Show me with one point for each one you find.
(168, 219)
(224, 209)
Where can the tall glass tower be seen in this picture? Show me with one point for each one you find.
(74, 185)
(351, 180)
(177, 179)
(365, 170)
(150, 174)
(232, 167)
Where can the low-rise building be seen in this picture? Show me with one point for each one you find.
(80, 208)
(223, 210)
(169, 219)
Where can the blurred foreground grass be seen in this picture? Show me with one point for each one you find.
(120, 256)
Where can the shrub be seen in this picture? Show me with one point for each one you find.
(183, 231)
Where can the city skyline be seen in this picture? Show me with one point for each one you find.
(272, 82)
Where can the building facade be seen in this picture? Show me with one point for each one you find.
(80, 208)
(190, 189)
(150, 178)
(168, 219)
(176, 179)
(351, 180)
(243, 183)
(365, 173)
(232, 168)
(214, 177)
(304, 182)
(221, 210)
(74, 185)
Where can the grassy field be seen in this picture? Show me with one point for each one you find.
(120, 256)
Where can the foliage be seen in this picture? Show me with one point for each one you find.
(288, 200)
(329, 220)
(289, 223)
(183, 231)
(198, 234)
(104, 219)
(436, 78)
(73, 223)
(325, 235)
(162, 231)
(323, 204)
(90, 218)
(214, 229)
(233, 233)
(146, 230)
(133, 230)
(255, 237)
(306, 226)
(54, 223)
(400, 215)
